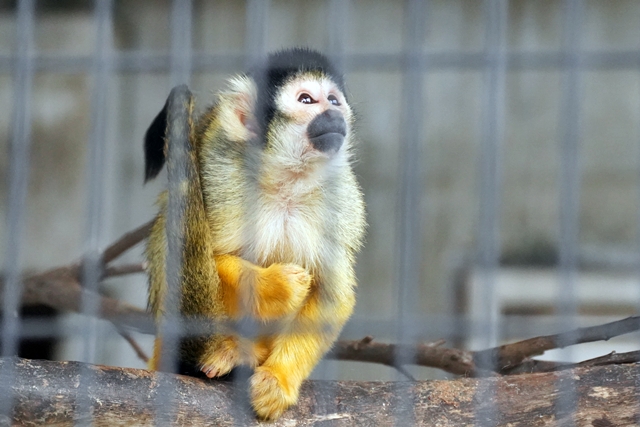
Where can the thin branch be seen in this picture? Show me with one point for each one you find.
(60, 289)
(126, 242)
(612, 358)
(511, 358)
(124, 269)
(451, 360)
(539, 366)
(142, 355)
(533, 366)
(510, 355)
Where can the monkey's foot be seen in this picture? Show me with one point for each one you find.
(221, 360)
(271, 393)
(282, 290)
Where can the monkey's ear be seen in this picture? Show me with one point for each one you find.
(246, 115)
(154, 145)
(237, 109)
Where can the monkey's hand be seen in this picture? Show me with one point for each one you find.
(281, 290)
(263, 293)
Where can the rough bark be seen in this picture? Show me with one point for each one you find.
(64, 393)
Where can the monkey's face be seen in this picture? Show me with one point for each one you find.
(311, 124)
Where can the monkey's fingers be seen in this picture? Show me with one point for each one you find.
(281, 290)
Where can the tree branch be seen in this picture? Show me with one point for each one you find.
(47, 393)
(508, 356)
(142, 355)
(126, 242)
(509, 359)
(451, 360)
(124, 269)
(60, 288)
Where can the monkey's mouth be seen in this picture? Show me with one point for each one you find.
(328, 142)
(327, 131)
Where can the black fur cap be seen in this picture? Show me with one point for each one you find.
(281, 66)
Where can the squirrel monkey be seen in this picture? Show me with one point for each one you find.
(273, 221)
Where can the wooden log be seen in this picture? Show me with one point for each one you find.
(66, 393)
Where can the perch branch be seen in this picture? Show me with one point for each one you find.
(46, 393)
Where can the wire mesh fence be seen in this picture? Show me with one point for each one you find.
(458, 86)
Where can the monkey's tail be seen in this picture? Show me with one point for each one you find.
(187, 229)
(189, 283)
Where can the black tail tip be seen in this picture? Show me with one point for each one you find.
(154, 145)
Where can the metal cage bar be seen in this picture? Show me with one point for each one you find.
(338, 20)
(23, 73)
(148, 61)
(170, 327)
(181, 56)
(569, 203)
(409, 213)
(91, 263)
(486, 328)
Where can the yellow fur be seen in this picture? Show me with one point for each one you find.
(271, 233)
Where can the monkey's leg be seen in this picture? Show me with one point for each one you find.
(249, 290)
(263, 293)
(275, 385)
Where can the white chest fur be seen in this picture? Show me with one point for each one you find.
(288, 222)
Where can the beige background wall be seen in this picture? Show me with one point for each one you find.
(451, 125)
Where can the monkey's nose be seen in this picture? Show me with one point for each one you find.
(327, 131)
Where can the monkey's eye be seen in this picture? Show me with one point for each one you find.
(305, 98)
(333, 100)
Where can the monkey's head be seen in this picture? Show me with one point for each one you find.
(292, 108)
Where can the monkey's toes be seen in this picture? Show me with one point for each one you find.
(270, 396)
(211, 371)
(217, 370)
(221, 361)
